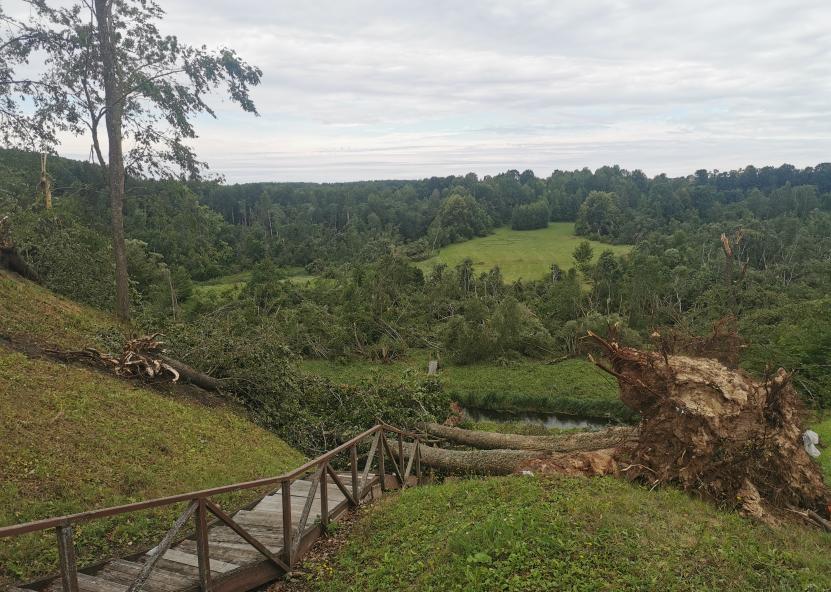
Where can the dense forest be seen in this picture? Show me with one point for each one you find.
(367, 299)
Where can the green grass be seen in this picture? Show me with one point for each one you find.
(573, 386)
(526, 254)
(822, 426)
(529, 534)
(32, 314)
(75, 439)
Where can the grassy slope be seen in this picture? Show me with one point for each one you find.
(73, 439)
(526, 254)
(528, 534)
(572, 386)
(31, 313)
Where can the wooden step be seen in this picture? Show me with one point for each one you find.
(217, 552)
(119, 569)
(88, 583)
(190, 559)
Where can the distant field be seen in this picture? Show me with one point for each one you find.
(526, 254)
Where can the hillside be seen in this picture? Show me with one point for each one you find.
(526, 254)
(530, 534)
(76, 439)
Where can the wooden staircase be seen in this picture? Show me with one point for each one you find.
(244, 550)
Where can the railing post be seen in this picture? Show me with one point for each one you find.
(66, 554)
(202, 554)
(324, 498)
(381, 468)
(417, 453)
(356, 486)
(285, 493)
(401, 459)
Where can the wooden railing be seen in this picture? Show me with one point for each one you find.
(295, 536)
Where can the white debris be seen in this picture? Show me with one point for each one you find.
(810, 439)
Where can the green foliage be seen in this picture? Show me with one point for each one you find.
(530, 216)
(599, 215)
(243, 349)
(458, 218)
(67, 256)
(529, 534)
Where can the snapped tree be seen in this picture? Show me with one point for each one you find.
(105, 60)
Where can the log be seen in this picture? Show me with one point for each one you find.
(582, 441)
(192, 375)
(473, 462)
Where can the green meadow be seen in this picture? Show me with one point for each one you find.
(526, 254)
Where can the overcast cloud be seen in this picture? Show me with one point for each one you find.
(360, 90)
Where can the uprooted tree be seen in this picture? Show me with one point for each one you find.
(704, 427)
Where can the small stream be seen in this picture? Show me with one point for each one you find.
(549, 420)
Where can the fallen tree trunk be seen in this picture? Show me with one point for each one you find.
(191, 375)
(477, 462)
(506, 462)
(594, 440)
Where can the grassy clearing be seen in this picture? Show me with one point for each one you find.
(31, 313)
(526, 254)
(529, 534)
(572, 386)
(232, 285)
(74, 439)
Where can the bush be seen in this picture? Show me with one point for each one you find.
(530, 216)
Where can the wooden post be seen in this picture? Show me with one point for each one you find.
(417, 453)
(324, 499)
(401, 463)
(285, 493)
(202, 554)
(66, 554)
(356, 486)
(381, 468)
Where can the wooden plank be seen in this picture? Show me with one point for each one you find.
(182, 569)
(150, 584)
(88, 583)
(192, 560)
(158, 574)
(241, 557)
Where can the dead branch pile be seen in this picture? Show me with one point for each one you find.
(139, 358)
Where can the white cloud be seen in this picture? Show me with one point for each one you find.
(364, 89)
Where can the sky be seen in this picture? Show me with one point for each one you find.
(356, 90)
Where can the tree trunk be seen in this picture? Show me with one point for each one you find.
(506, 462)
(115, 167)
(473, 462)
(584, 441)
